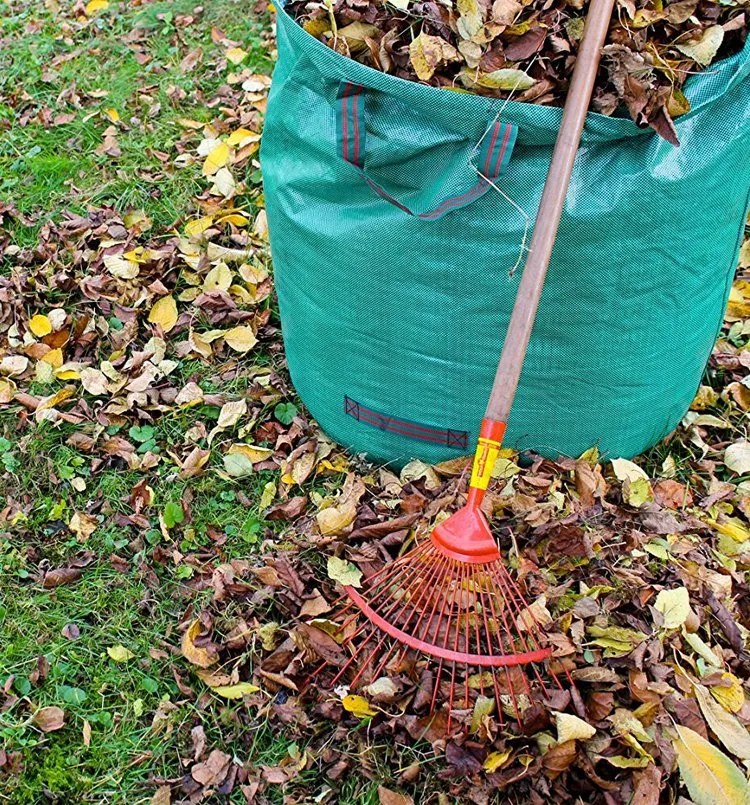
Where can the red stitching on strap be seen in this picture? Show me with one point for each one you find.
(345, 123)
(499, 161)
(356, 128)
(469, 195)
(491, 149)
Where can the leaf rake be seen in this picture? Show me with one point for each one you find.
(451, 601)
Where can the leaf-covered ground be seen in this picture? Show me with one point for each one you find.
(168, 509)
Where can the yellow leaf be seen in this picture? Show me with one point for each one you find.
(164, 313)
(709, 775)
(219, 278)
(252, 451)
(217, 158)
(96, 5)
(112, 114)
(241, 339)
(82, 525)
(727, 729)
(731, 527)
(731, 697)
(54, 358)
(269, 493)
(120, 653)
(40, 325)
(69, 371)
(637, 492)
(233, 218)
(235, 55)
(427, 53)
(571, 727)
(333, 520)
(241, 137)
(358, 706)
(235, 691)
(119, 266)
(197, 655)
(674, 605)
(198, 226)
(344, 572)
(484, 706)
(495, 760)
(627, 470)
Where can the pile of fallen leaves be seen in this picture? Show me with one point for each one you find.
(526, 50)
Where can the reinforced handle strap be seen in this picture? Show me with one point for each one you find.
(494, 153)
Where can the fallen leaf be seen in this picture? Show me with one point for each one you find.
(725, 726)
(496, 760)
(82, 525)
(94, 382)
(61, 575)
(219, 278)
(213, 770)
(96, 5)
(570, 727)
(241, 339)
(627, 470)
(737, 457)
(231, 413)
(216, 159)
(388, 797)
(235, 691)
(236, 55)
(506, 78)
(731, 696)
(484, 706)
(674, 606)
(197, 655)
(358, 706)
(704, 49)
(709, 775)
(164, 313)
(416, 470)
(120, 653)
(344, 572)
(49, 719)
(40, 325)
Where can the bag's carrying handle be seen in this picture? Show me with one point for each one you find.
(351, 134)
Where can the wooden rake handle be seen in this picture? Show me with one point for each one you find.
(550, 211)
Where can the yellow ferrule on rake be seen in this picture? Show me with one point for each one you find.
(484, 460)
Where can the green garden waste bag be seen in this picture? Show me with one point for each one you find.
(397, 214)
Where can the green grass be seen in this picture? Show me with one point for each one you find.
(52, 65)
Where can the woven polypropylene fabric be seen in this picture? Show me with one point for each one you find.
(406, 317)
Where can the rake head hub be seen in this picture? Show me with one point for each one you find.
(466, 537)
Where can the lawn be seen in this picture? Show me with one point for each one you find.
(162, 486)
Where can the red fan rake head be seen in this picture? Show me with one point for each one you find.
(452, 602)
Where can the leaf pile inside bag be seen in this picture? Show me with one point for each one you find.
(527, 50)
